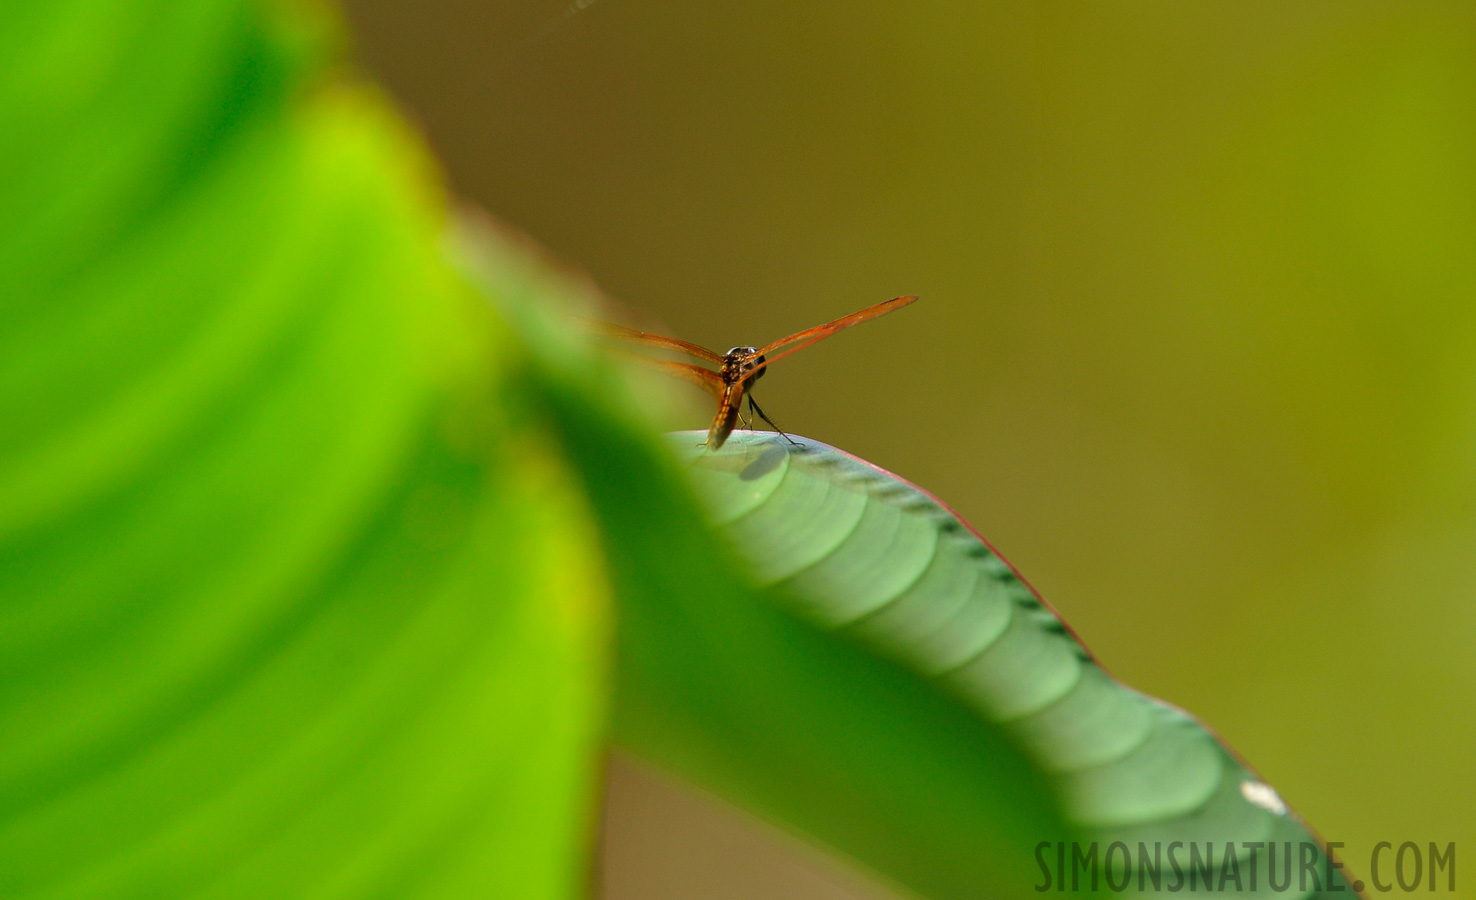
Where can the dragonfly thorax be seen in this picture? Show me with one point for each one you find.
(739, 362)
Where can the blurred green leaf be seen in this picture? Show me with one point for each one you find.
(293, 599)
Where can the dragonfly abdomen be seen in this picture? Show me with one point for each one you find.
(727, 416)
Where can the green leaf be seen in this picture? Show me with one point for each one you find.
(864, 554)
(294, 600)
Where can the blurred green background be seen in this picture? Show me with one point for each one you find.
(1196, 350)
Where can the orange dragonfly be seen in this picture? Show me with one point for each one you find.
(740, 367)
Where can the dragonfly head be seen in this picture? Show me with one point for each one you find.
(742, 360)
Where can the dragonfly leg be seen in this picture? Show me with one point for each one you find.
(754, 407)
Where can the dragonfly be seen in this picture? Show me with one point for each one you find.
(740, 367)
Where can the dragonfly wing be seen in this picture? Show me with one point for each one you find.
(620, 332)
(709, 381)
(809, 336)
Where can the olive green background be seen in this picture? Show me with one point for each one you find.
(1197, 344)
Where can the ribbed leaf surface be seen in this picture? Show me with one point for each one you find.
(864, 553)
